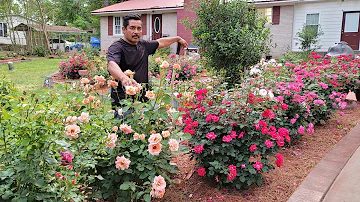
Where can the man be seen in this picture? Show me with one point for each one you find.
(131, 53)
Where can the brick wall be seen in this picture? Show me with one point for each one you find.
(182, 15)
(282, 33)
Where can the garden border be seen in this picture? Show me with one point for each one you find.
(317, 184)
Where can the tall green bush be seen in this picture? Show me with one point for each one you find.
(231, 35)
(308, 37)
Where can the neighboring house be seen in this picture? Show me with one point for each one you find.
(6, 35)
(160, 18)
(338, 19)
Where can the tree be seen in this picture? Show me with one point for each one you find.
(231, 35)
(309, 37)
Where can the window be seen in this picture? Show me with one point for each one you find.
(266, 12)
(312, 21)
(118, 25)
(3, 29)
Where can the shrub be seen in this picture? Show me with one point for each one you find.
(70, 68)
(309, 38)
(231, 36)
(39, 51)
(68, 147)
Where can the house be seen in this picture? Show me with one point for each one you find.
(160, 18)
(338, 19)
(7, 23)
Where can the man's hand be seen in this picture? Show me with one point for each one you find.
(126, 81)
(183, 43)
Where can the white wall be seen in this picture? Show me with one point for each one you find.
(19, 36)
(330, 19)
(169, 27)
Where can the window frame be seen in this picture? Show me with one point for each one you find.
(2, 30)
(313, 24)
(116, 25)
(263, 14)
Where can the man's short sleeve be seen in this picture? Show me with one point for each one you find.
(151, 46)
(114, 53)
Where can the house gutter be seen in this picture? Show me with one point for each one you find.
(106, 13)
(281, 3)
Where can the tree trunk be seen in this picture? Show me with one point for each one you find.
(43, 25)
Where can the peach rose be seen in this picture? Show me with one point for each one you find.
(173, 145)
(152, 131)
(142, 137)
(115, 128)
(154, 149)
(130, 90)
(157, 193)
(84, 117)
(155, 138)
(111, 140)
(159, 183)
(84, 81)
(122, 163)
(177, 66)
(91, 98)
(136, 136)
(86, 101)
(70, 119)
(126, 128)
(158, 60)
(164, 64)
(112, 83)
(165, 134)
(100, 80)
(72, 131)
(150, 94)
(129, 73)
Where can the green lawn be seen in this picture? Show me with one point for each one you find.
(30, 76)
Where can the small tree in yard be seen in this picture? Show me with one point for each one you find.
(231, 35)
(309, 37)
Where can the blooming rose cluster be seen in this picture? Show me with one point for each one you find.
(158, 187)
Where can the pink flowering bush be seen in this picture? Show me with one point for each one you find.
(236, 133)
(70, 68)
(184, 68)
(229, 138)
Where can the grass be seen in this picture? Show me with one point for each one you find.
(30, 75)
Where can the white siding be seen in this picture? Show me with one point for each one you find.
(330, 19)
(169, 27)
(19, 36)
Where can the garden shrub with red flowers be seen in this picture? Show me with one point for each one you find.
(70, 68)
(236, 133)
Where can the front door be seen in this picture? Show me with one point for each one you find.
(156, 26)
(350, 29)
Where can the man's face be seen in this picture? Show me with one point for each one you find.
(133, 32)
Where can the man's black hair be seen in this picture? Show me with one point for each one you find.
(130, 17)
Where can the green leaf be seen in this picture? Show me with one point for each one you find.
(242, 179)
(147, 198)
(62, 143)
(139, 194)
(39, 182)
(99, 177)
(252, 171)
(125, 185)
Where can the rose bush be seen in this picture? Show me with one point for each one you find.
(70, 68)
(67, 146)
(237, 132)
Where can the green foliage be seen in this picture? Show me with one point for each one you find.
(55, 146)
(231, 36)
(39, 51)
(309, 38)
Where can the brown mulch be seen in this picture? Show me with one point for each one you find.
(278, 184)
